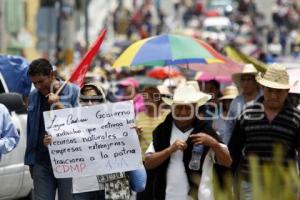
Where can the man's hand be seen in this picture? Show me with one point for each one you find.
(139, 130)
(52, 98)
(47, 140)
(57, 106)
(203, 139)
(178, 145)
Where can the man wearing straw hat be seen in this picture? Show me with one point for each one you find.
(37, 156)
(229, 93)
(170, 152)
(272, 121)
(250, 92)
(219, 125)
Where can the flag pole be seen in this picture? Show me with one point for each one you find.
(62, 86)
(84, 64)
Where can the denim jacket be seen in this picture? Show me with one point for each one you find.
(68, 97)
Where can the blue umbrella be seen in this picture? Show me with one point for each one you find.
(14, 71)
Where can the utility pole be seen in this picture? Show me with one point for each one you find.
(68, 32)
(2, 28)
(86, 25)
(58, 46)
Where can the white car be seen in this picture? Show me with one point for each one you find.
(15, 180)
(216, 28)
(222, 7)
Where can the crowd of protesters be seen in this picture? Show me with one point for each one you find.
(249, 118)
(231, 122)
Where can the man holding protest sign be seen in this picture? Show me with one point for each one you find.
(43, 98)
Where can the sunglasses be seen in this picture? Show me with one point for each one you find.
(94, 99)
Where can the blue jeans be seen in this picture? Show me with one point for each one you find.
(246, 191)
(95, 195)
(138, 179)
(45, 184)
(147, 194)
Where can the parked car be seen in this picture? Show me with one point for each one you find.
(15, 180)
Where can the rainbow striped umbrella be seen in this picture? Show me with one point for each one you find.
(168, 49)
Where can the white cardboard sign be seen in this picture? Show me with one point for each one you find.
(93, 140)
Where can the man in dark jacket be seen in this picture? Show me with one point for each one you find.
(43, 98)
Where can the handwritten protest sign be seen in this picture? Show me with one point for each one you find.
(93, 140)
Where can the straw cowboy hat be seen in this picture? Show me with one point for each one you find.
(230, 92)
(188, 93)
(247, 69)
(275, 77)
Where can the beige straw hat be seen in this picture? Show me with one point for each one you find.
(275, 77)
(230, 92)
(247, 69)
(188, 93)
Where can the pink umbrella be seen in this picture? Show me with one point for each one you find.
(226, 68)
(207, 77)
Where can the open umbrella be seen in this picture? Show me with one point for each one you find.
(202, 76)
(145, 81)
(170, 49)
(162, 73)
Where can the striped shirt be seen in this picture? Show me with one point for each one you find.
(148, 124)
(254, 134)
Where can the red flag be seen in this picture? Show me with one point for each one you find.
(79, 73)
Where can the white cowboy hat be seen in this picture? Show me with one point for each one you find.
(163, 89)
(247, 69)
(230, 92)
(188, 93)
(275, 77)
(174, 82)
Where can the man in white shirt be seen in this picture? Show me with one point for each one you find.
(171, 149)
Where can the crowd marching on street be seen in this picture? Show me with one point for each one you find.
(171, 117)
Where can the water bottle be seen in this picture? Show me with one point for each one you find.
(196, 156)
